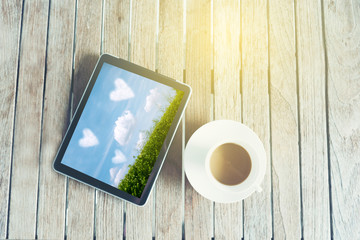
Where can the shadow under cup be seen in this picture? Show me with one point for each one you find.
(230, 164)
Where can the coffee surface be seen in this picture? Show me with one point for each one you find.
(230, 164)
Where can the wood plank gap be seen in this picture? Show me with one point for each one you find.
(157, 71)
(242, 201)
(124, 221)
(242, 105)
(241, 81)
(154, 210)
(102, 27)
(212, 35)
(212, 117)
(270, 124)
(183, 173)
(101, 52)
(42, 122)
(70, 113)
(327, 114)
(213, 203)
(66, 205)
(157, 41)
(129, 58)
(183, 129)
(241, 67)
(212, 81)
(298, 118)
(183, 145)
(73, 67)
(184, 40)
(129, 40)
(94, 225)
(212, 114)
(13, 133)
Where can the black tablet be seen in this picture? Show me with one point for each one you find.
(122, 129)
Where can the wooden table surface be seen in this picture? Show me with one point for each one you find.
(289, 69)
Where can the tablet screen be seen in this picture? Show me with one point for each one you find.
(122, 128)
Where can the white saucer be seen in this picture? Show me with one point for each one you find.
(202, 141)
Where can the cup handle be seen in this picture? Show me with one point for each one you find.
(259, 189)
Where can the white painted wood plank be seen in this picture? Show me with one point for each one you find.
(284, 120)
(312, 120)
(52, 194)
(10, 21)
(80, 198)
(227, 103)
(342, 35)
(198, 210)
(168, 200)
(24, 179)
(109, 210)
(257, 208)
(139, 220)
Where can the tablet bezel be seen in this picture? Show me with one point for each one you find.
(136, 69)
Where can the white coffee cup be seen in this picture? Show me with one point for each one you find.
(202, 145)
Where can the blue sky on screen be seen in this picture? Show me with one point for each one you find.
(111, 130)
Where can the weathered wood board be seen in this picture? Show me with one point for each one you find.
(28, 120)
(139, 221)
(109, 213)
(52, 186)
(342, 38)
(284, 120)
(227, 99)
(168, 199)
(81, 198)
(312, 120)
(198, 210)
(255, 109)
(10, 22)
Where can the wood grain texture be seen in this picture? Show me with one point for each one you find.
(139, 220)
(80, 198)
(284, 120)
(227, 103)
(312, 120)
(342, 21)
(24, 179)
(52, 186)
(116, 28)
(168, 200)
(257, 208)
(198, 210)
(109, 210)
(10, 20)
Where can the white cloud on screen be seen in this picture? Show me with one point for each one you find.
(121, 92)
(89, 139)
(140, 143)
(117, 174)
(119, 157)
(123, 128)
(153, 100)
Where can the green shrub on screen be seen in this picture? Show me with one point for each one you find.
(135, 180)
